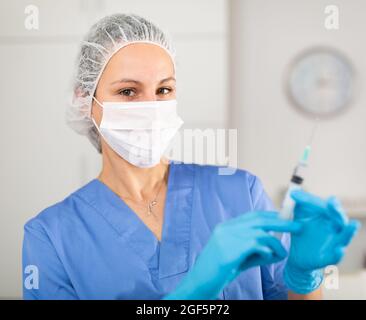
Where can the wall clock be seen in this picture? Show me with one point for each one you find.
(320, 82)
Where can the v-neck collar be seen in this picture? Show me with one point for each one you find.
(170, 255)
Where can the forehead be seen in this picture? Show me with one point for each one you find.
(140, 60)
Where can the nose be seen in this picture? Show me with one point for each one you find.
(149, 94)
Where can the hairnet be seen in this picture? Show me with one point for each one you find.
(104, 39)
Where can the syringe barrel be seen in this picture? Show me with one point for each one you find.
(288, 204)
(299, 171)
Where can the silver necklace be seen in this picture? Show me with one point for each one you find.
(150, 204)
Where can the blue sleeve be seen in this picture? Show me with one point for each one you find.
(44, 276)
(273, 285)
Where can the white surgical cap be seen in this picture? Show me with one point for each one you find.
(104, 39)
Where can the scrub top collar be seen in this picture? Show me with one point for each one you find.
(170, 256)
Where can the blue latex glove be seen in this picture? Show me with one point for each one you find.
(235, 245)
(324, 235)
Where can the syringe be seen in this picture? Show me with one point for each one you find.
(298, 175)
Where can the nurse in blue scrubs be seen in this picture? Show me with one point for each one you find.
(149, 228)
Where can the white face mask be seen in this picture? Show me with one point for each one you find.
(139, 132)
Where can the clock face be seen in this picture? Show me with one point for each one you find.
(321, 82)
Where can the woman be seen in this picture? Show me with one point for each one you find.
(148, 228)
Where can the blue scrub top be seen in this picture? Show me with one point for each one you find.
(92, 245)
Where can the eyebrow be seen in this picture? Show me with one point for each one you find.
(139, 82)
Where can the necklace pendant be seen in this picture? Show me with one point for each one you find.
(150, 206)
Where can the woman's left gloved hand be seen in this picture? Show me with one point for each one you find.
(325, 234)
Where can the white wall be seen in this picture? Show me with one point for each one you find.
(265, 38)
(42, 159)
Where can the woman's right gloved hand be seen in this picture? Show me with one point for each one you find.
(235, 245)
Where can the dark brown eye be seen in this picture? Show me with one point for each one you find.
(127, 92)
(164, 90)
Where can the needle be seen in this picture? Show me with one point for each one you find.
(315, 127)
